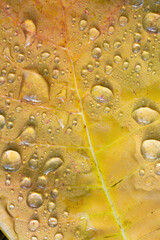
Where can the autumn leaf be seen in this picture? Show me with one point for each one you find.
(79, 119)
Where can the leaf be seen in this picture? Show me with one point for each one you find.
(79, 119)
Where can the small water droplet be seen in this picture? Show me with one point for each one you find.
(125, 65)
(29, 30)
(33, 225)
(25, 182)
(96, 52)
(52, 164)
(82, 25)
(136, 48)
(157, 168)
(117, 58)
(106, 46)
(42, 182)
(11, 77)
(2, 121)
(45, 55)
(123, 21)
(108, 69)
(55, 73)
(51, 207)
(145, 55)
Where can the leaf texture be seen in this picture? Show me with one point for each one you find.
(79, 119)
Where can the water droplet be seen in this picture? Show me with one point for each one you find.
(136, 48)
(151, 22)
(52, 222)
(42, 182)
(11, 77)
(34, 88)
(20, 57)
(34, 200)
(33, 225)
(107, 110)
(52, 164)
(82, 25)
(2, 121)
(45, 55)
(151, 150)
(90, 68)
(117, 45)
(106, 46)
(101, 93)
(145, 115)
(145, 55)
(25, 182)
(51, 206)
(28, 135)
(11, 160)
(58, 236)
(123, 21)
(138, 68)
(29, 30)
(117, 58)
(54, 193)
(141, 172)
(137, 3)
(125, 65)
(96, 52)
(157, 168)
(93, 34)
(2, 80)
(33, 162)
(11, 206)
(108, 69)
(55, 73)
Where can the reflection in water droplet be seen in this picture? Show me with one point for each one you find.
(52, 164)
(34, 200)
(2, 121)
(145, 115)
(82, 25)
(101, 94)
(151, 150)
(52, 222)
(93, 34)
(11, 160)
(33, 225)
(151, 22)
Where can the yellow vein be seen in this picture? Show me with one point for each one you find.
(89, 139)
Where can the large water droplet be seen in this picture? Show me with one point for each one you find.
(28, 135)
(34, 87)
(93, 34)
(151, 22)
(11, 160)
(34, 200)
(137, 3)
(52, 164)
(151, 150)
(29, 30)
(145, 115)
(52, 222)
(2, 121)
(101, 93)
(33, 225)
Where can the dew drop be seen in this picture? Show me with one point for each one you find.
(82, 25)
(145, 55)
(96, 52)
(157, 168)
(136, 48)
(151, 150)
(137, 3)
(34, 200)
(125, 65)
(108, 69)
(42, 182)
(33, 225)
(2, 121)
(58, 236)
(29, 30)
(52, 164)
(117, 58)
(145, 115)
(101, 93)
(123, 21)
(51, 206)
(2, 80)
(25, 182)
(151, 22)
(106, 46)
(11, 77)
(52, 222)
(11, 160)
(55, 73)
(28, 135)
(33, 162)
(93, 34)
(45, 55)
